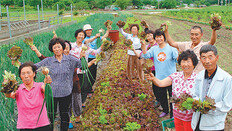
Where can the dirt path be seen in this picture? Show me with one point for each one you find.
(179, 30)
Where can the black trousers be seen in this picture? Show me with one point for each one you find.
(64, 107)
(84, 86)
(93, 71)
(161, 96)
(43, 128)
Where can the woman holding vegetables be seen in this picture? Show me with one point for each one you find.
(132, 58)
(29, 98)
(76, 105)
(182, 82)
(61, 68)
(77, 48)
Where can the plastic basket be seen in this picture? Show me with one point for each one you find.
(168, 123)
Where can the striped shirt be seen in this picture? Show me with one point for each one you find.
(61, 73)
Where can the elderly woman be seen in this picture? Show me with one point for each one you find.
(165, 58)
(29, 98)
(76, 105)
(61, 68)
(182, 82)
(76, 52)
(132, 58)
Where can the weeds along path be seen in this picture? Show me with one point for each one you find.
(179, 31)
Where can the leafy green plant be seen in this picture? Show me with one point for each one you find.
(142, 96)
(131, 126)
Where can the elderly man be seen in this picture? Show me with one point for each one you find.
(215, 83)
(195, 44)
(91, 41)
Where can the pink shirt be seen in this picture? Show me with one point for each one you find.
(29, 103)
(179, 86)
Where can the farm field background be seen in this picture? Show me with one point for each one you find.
(178, 30)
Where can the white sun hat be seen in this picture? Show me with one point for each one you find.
(87, 27)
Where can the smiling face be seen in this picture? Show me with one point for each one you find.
(209, 60)
(80, 37)
(187, 65)
(134, 30)
(27, 75)
(195, 35)
(150, 37)
(57, 49)
(159, 39)
(88, 32)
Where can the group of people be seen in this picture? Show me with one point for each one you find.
(200, 77)
(68, 79)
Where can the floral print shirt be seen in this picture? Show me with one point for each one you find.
(179, 86)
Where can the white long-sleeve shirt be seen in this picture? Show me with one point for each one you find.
(135, 40)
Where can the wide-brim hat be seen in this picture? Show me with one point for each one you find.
(87, 27)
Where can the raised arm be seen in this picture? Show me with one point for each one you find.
(123, 33)
(34, 48)
(106, 34)
(213, 37)
(160, 83)
(92, 39)
(170, 41)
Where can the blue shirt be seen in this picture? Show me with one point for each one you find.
(164, 60)
(92, 44)
(61, 73)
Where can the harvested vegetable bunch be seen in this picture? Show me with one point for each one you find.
(48, 97)
(84, 48)
(54, 32)
(143, 23)
(107, 45)
(142, 35)
(14, 54)
(128, 43)
(100, 57)
(163, 28)
(215, 21)
(183, 102)
(205, 106)
(147, 66)
(120, 24)
(10, 84)
(108, 23)
(28, 41)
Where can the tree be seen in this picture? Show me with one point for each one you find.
(102, 3)
(81, 5)
(123, 3)
(146, 2)
(137, 3)
(168, 4)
